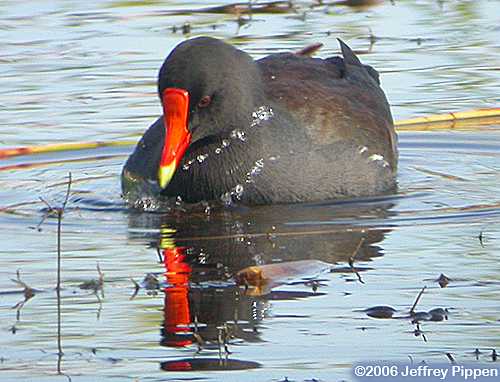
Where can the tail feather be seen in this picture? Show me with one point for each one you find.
(350, 57)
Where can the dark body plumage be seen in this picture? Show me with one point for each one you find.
(286, 128)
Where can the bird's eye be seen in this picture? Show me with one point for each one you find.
(205, 101)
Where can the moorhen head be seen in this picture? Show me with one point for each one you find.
(285, 128)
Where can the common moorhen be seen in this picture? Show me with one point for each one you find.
(286, 128)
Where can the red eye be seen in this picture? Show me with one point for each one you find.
(205, 101)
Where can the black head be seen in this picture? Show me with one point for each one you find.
(207, 88)
(223, 84)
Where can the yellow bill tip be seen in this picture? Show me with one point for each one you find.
(165, 174)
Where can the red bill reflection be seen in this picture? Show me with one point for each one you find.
(177, 330)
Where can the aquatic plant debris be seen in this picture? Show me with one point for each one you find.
(425, 123)
(28, 293)
(263, 278)
(59, 213)
(443, 280)
(381, 311)
(351, 260)
(95, 285)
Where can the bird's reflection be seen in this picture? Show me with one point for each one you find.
(177, 318)
(204, 306)
(209, 316)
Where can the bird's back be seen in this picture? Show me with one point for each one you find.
(336, 100)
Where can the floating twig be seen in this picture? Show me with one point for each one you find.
(450, 357)
(419, 333)
(58, 212)
(477, 353)
(50, 212)
(309, 50)
(28, 293)
(351, 260)
(95, 285)
(430, 122)
(136, 288)
(199, 341)
(480, 237)
(436, 120)
(159, 253)
(412, 310)
(27, 290)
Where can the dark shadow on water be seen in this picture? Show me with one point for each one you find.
(205, 308)
(237, 238)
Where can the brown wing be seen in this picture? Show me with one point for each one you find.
(334, 99)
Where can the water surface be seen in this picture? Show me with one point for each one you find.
(74, 71)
